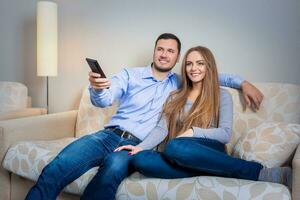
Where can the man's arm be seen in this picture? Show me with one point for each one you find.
(252, 96)
(104, 92)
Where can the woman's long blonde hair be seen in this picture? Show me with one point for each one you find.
(205, 109)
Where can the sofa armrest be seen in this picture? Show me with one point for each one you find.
(42, 127)
(296, 175)
(26, 112)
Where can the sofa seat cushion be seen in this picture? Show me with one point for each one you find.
(138, 187)
(27, 159)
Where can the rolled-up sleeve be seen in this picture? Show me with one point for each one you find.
(229, 80)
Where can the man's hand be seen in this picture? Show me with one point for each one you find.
(97, 82)
(132, 149)
(252, 96)
(187, 133)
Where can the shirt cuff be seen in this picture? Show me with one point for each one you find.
(237, 83)
(95, 92)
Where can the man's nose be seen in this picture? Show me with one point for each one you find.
(164, 54)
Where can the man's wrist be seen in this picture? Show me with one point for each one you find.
(244, 84)
(95, 91)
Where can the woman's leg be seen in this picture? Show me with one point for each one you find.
(74, 160)
(153, 164)
(206, 155)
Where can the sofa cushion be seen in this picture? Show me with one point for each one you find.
(13, 96)
(138, 187)
(270, 144)
(281, 104)
(27, 159)
(90, 118)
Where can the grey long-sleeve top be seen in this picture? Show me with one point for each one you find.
(221, 133)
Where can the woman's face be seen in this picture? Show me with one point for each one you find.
(195, 67)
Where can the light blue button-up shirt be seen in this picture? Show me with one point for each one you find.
(141, 97)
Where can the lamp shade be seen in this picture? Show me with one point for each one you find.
(46, 38)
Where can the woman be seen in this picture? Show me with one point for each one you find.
(196, 124)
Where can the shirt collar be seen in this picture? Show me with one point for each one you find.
(147, 73)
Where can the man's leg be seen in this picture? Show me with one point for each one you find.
(115, 168)
(153, 164)
(73, 161)
(205, 155)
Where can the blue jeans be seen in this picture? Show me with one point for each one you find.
(78, 157)
(190, 156)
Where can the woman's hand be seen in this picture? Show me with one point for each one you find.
(132, 149)
(187, 133)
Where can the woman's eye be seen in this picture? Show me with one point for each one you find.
(188, 64)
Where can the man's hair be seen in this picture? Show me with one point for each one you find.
(167, 36)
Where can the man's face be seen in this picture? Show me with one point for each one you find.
(165, 55)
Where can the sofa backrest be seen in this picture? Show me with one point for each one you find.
(281, 103)
(90, 118)
(13, 96)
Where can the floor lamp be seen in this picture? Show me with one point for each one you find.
(47, 41)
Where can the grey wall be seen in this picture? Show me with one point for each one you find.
(257, 39)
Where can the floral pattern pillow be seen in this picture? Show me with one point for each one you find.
(270, 144)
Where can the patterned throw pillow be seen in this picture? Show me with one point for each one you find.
(270, 144)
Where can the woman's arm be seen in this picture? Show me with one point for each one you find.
(155, 137)
(223, 132)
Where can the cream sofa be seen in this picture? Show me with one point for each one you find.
(28, 144)
(14, 102)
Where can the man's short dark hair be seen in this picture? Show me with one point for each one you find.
(169, 36)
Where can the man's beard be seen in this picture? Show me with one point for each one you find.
(161, 69)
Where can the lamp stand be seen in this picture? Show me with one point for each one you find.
(47, 94)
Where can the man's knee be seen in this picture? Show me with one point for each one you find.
(116, 162)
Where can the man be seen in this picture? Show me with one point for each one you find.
(141, 93)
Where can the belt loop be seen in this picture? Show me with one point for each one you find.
(123, 133)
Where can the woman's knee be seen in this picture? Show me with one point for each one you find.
(175, 148)
(139, 160)
(145, 162)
